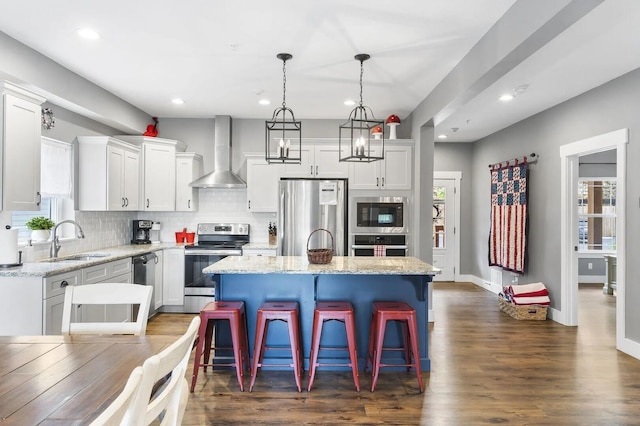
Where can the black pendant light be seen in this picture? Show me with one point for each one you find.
(355, 142)
(283, 133)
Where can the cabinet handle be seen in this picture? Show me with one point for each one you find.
(64, 283)
(188, 204)
(377, 181)
(122, 204)
(316, 170)
(39, 198)
(249, 207)
(311, 172)
(147, 203)
(382, 181)
(126, 200)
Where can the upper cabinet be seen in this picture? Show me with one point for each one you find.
(188, 168)
(20, 132)
(262, 185)
(394, 172)
(108, 174)
(319, 160)
(158, 171)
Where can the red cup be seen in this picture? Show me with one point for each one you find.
(180, 237)
(190, 237)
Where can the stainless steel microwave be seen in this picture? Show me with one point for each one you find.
(380, 215)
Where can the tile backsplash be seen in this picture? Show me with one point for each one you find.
(107, 229)
(216, 205)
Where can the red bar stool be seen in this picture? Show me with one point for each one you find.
(278, 311)
(333, 311)
(233, 312)
(393, 311)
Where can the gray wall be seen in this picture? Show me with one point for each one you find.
(454, 157)
(612, 106)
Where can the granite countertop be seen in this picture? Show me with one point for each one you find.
(44, 268)
(338, 265)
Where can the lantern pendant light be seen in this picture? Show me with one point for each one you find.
(355, 142)
(283, 133)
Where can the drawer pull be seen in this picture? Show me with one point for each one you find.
(64, 283)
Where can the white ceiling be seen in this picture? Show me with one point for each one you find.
(220, 56)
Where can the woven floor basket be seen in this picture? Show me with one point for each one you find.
(523, 312)
(320, 255)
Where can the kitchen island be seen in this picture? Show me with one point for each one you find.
(359, 280)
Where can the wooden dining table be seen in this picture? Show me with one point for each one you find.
(64, 380)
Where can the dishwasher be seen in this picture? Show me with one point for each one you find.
(144, 273)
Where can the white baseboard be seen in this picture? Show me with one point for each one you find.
(629, 347)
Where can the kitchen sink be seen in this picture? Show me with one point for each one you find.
(76, 258)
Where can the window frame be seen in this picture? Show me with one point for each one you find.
(586, 216)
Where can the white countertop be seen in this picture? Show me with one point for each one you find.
(43, 268)
(338, 265)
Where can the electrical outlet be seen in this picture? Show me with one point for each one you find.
(514, 279)
(590, 265)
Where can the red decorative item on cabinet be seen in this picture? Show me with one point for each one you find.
(152, 129)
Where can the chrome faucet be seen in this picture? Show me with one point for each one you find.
(55, 242)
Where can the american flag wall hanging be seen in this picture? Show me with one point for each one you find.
(508, 234)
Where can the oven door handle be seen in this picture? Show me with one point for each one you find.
(356, 246)
(225, 252)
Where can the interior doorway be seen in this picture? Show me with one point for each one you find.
(446, 223)
(570, 237)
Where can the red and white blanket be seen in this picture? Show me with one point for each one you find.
(527, 290)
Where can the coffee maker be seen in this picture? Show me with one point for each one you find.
(141, 230)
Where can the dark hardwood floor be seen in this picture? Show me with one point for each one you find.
(487, 368)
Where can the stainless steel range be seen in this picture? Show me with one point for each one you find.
(215, 241)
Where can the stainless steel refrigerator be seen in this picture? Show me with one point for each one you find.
(305, 205)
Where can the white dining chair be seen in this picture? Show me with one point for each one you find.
(116, 414)
(106, 294)
(169, 401)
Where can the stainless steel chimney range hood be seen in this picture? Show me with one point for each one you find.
(221, 176)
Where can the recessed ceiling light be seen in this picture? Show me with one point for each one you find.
(177, 101)
(88, 33)
(264, 102)
(442, 136)
(506, 97)
(349, 102)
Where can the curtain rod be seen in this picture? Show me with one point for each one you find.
(531, 158)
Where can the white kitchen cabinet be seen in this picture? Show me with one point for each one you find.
(158, 171)
(109, 174)
(394, 172)
(118, 271)
(20, 133)
(53, 300)
(158, 280)
(319, 160)
(188, 168)
(173, 276)
(262, 185)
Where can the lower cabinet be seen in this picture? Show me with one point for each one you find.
(158, 281)
(53, 300)
(118, 271)
(173, 276)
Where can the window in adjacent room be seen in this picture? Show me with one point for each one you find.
(597, 214)
(56, 187)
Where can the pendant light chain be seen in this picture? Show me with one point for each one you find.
(361, 74)
(284, 83)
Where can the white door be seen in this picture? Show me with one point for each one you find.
(444, 241)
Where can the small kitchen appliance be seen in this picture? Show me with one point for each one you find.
(141, 230)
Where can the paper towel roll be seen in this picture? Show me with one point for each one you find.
(8, 246)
